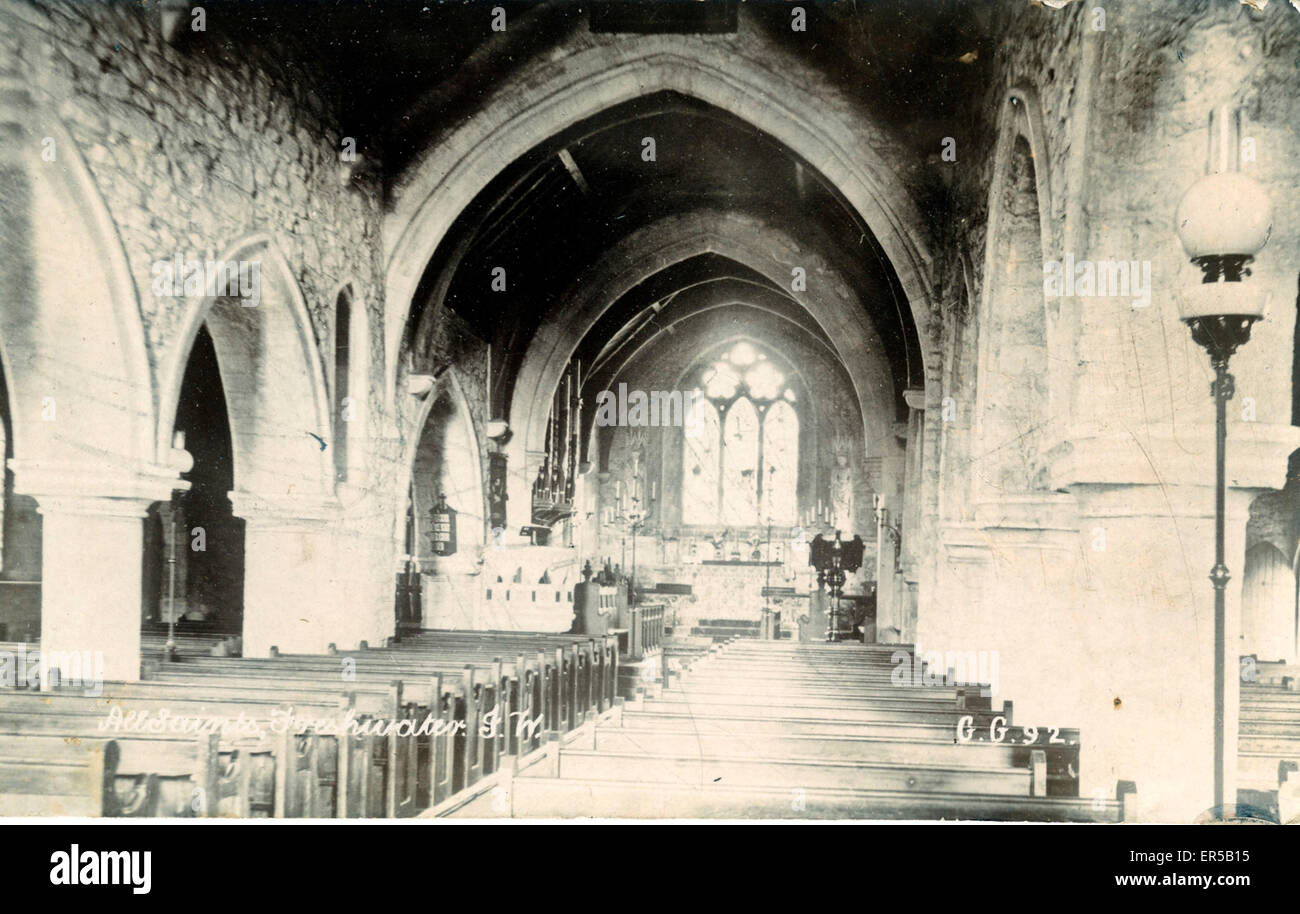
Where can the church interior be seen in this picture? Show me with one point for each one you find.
(741, 410)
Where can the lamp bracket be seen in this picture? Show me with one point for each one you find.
(1222, 334)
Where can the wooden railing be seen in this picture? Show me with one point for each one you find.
(645, 630)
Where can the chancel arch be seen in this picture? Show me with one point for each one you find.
(601, 72)
(831, 303)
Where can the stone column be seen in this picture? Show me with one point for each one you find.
(91, 584)
(92, 540)
(1144, 636)
(175, 543)
(297, 582)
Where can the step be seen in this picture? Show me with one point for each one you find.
(865, 714)
(1286, 746)
(665, 719)
(758, 772)
(618, 799)
(883, 750)
(1271, 713)
(1278, 728)
(805, 701)
(689, 685)
(797, 678)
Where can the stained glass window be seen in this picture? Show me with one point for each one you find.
(780, 462)
(700, 465)
(740, 461)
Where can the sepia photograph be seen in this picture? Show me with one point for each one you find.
(868, 411)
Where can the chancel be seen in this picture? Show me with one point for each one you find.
(642, 410)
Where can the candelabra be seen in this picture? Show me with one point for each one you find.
(883, 526)
(632, 522)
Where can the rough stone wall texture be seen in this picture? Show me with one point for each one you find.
(197, 145)
(1040, 51)
(1162, 69)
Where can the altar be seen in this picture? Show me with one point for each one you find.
(730, 590)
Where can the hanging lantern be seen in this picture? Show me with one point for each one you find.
(442, 527)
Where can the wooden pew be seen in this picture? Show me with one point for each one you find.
(52, 776)
(574, 696)
(453, 761)
(286, 774)
(563, 683)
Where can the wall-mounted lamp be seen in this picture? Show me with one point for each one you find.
(883, 526)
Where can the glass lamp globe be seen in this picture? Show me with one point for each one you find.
(1223, 221)
(1223, 214)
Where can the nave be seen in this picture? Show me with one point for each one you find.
(487, 725)
(672, 299)
(751, 730)
(771, 730)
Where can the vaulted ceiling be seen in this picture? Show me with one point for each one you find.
(548, 218)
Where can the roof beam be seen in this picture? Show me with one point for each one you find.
(575, 172)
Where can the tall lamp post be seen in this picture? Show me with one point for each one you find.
(1223, 221)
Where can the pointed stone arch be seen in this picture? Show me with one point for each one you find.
(79, 385)
(746, 74)
(830, 301)
(275, 389)
(67, 261)
(447, 389)
(1012, 427)
(447, 457)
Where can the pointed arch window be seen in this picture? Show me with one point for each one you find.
(700, 466)
(780, 462)
(740, 461)
(740, 449)
(342, 382)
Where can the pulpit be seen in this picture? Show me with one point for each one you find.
(834, 561)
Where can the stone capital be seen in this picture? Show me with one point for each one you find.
(1031, 511)
(73, 487)
(915, 398)
(284, 512)
(1176, 456)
